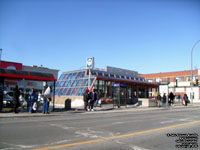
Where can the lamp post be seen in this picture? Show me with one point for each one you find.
(0, 56)
(192, 71)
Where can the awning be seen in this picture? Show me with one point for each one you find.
(27, 75)
(145, 83)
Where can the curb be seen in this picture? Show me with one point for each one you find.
(115, 110)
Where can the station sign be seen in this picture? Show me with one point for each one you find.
(90, 63)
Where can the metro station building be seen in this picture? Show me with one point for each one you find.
(115, 85)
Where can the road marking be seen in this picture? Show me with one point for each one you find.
(163, 122)
(119, 136)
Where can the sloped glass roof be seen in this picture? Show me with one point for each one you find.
(73, 83)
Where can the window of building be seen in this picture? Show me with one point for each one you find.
(180, 79)
(112, 75)
(149, 80)
(158, 80)
(188, 78)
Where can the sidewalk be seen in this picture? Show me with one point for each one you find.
(103, 109)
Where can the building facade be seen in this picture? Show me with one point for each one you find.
(179, 83)
(18, 68)
(112, 84)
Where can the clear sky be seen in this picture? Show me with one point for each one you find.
(148, 36)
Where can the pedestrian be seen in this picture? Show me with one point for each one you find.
(86, 97)
(93, 98)
(97, 100)
(47, 99)
(32, 100)
(171, 98)
(16, 94)
(1, 99)
(164, 98)
(158, 100)
(185, 97)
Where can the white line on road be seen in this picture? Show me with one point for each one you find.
(163, 122)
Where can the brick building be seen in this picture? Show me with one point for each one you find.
(179, 82)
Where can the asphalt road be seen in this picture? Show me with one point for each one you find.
(130, 130)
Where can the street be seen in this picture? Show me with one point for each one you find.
(119, 130)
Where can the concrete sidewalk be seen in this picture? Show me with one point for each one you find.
(103, 109)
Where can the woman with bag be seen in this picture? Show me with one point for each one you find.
(32, 100)
(47, 99)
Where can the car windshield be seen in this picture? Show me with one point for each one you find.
(6, 96)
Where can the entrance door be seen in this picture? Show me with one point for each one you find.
(123, 96)
(120, 95)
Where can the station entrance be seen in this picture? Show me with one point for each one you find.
(120, 95)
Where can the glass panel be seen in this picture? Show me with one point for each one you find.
(91, 81)
(69, 76)
(65, 91)
(74, 83)
(72, 91)
(56, 91)
(61, 77)
(79, 91)
(66, 76)
(85, 82)
(73, 76)
(69, 83)
(69, 91)
(75, 91)
(61, 83)
(61, 91)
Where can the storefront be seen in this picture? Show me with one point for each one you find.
(9, 78)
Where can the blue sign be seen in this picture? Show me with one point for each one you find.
(120, 85)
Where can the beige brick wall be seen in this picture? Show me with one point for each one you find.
(76, 101)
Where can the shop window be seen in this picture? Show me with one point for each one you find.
(112, 75)
(158, 80)
(180, 79)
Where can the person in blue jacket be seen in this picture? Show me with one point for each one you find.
(32, 99)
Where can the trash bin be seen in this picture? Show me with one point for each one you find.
(67, 104)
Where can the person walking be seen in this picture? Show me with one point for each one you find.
(185, 97)
(86, 97)
(32, 100)
(97, 103)
(1, 99)
(158, 100)
(16, 94)
(47, 99)
(93, 98)
(164, 100)
(171, 99)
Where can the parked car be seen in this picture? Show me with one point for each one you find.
(7, 102)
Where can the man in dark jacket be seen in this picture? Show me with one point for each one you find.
(86, 97)
(93, 98)
(171, 98)
(16, 94)
(164, 100)
(158, 99)
(185, 97)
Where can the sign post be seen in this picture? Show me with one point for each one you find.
(90, 65)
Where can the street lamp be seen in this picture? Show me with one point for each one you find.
(0, 56)
(192, 71)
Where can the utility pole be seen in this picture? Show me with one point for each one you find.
(0, 56)
(192, 94)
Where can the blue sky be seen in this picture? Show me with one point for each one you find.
(148, 36)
